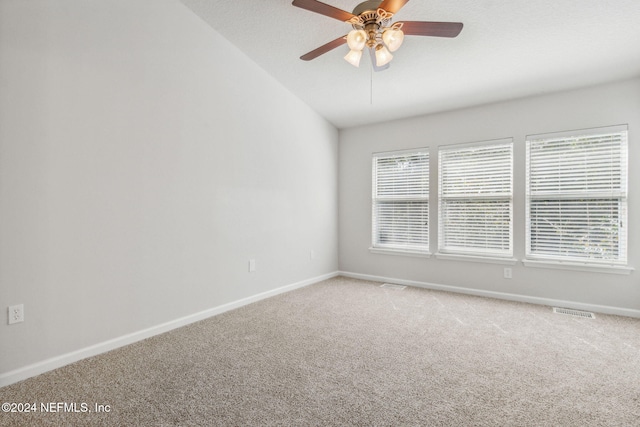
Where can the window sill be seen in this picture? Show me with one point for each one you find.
(477, 258)
(578, 266)
(400, 252)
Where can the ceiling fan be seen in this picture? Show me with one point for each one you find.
(371, 22)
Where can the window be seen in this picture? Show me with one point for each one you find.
(577, 196)
(476, 199)
(401, 201)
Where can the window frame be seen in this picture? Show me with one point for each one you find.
(538, 259)
(471, 253)
(407, 249)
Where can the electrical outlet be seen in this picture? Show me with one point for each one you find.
(312, 255)
(508, 273)
(16, 314)
(252, 265)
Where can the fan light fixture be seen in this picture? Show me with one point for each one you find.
(353, 57)
(393, 38)
(383, 56)
(356, 39)
(370, 31)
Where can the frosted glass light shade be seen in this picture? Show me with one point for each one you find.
(353, 57)
(383, 56)
(356, 39)
(393, 39)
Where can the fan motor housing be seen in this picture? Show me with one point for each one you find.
(367, 6)
(369, 17)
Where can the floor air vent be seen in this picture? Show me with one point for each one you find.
(576, 313)
(392, 286)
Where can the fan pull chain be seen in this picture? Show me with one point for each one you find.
(371, 85)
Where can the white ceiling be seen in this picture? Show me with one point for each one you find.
(507, 49)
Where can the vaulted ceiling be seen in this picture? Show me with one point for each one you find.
(507, 49)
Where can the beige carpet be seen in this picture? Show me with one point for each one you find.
(348, 352)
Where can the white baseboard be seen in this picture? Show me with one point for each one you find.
(605, 309)
(38, 368)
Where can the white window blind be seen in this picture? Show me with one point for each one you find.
(577, 196)
(476, 199)
(401, 201)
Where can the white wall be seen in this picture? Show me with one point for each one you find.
(617, 103)
(143, 161)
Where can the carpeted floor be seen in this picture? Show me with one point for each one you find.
(348, 352)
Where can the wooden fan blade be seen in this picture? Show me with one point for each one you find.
(434, 29)
(392, 6)
(323, 9)
(324, 48)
